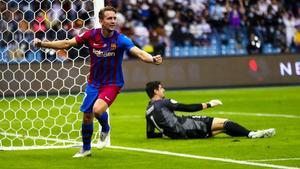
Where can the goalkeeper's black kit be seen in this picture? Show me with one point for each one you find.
(160, 115)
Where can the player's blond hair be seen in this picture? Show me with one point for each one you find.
(103, 10)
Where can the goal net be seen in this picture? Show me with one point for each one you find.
(41, 90)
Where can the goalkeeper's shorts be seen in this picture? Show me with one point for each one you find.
(198, 126)
(191, 127)
(92, 93)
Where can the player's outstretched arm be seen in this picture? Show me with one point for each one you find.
(146, 57)
(195, 107)
(60, 44)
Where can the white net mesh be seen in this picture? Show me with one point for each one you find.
(40, 90)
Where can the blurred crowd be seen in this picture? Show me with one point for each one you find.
(252, 27)
(23, 20)
(172, 28)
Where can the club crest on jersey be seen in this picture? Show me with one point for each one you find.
(113, 46)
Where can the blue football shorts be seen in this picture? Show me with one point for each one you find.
(91, 95)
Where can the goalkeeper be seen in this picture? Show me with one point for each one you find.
(160, 115)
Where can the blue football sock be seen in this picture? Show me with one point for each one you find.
(103, 120)
(87, 132)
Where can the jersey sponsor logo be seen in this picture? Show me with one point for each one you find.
(100, 53)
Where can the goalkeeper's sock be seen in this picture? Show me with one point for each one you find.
(234, 129)
(103, 120)
(87, 132)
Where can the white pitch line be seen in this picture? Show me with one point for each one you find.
(38, 138)
(72, 143)
(259, 114)
(202, 157)
(35, 147)
(222, 112)
(138, 150)
(276, 159)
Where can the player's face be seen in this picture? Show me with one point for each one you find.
(109, 21)
(161, 91)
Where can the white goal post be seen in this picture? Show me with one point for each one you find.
(40, 90)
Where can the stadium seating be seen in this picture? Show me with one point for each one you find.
(213, 39)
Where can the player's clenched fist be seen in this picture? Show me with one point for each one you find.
(157, 59)
(37, 42)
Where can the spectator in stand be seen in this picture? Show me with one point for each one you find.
(177, 36)
(141, 34)
(217, 15)
(235, 19)
(39, 25)
(158, 40)
(297, 38)
(270, 29)
(289, 22)
(206, 31)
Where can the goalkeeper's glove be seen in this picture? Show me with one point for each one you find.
(214, 103)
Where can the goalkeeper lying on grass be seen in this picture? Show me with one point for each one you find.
(160, 115)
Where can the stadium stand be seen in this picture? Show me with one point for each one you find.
(180, 28)
(216, 27)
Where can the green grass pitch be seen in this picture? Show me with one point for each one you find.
(246, 106)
